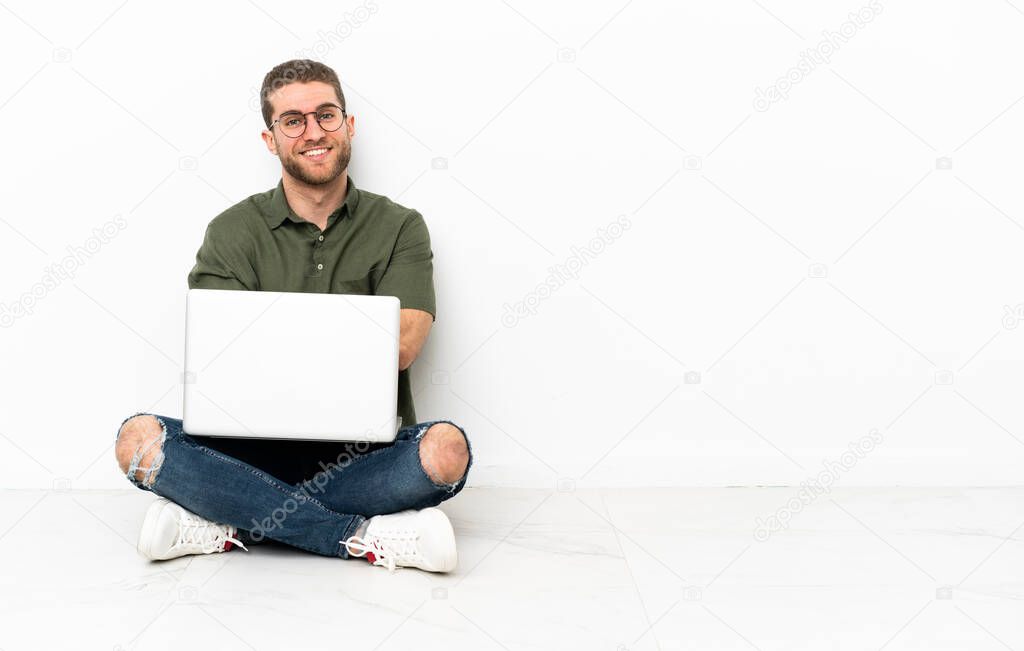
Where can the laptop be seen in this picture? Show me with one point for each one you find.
(291, 365)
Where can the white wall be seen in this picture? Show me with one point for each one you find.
(811, 264)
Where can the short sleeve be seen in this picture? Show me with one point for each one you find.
(221, 262)
(410, 271)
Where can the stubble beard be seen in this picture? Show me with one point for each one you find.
(319, 175)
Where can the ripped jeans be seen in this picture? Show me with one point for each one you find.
(308, 494)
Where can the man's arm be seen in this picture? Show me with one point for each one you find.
(415, 326)
(222, 261)
(410, 277)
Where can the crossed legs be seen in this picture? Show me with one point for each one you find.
(444, 453)
(425, 465)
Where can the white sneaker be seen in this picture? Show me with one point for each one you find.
(170, 531)
(422, 539)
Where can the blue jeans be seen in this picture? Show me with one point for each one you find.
(307, 494)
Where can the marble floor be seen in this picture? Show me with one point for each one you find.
(697, 568)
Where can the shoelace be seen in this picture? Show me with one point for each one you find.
(210, 536)
(400, 547)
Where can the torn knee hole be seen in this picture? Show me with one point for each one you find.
(140, 437)
(444, 453)
(146, 463)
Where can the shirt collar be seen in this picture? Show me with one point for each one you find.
(279, 210)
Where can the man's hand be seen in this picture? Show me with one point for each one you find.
(415, 326)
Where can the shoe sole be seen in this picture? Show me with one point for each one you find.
(146, 535)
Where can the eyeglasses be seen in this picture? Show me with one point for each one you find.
(293, 123)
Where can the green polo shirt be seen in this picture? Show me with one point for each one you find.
(371, 246)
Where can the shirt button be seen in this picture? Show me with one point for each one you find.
(320, 266)
(321, 238)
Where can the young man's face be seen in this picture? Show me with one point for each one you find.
(311, 170)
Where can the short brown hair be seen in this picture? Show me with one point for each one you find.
(294, 72)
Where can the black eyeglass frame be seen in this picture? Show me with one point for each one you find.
(305, 122)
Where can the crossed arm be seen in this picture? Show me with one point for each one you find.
(414, 326)
(223, 262)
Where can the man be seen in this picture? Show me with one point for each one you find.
(315, 232)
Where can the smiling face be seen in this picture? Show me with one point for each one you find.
(317, 157)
